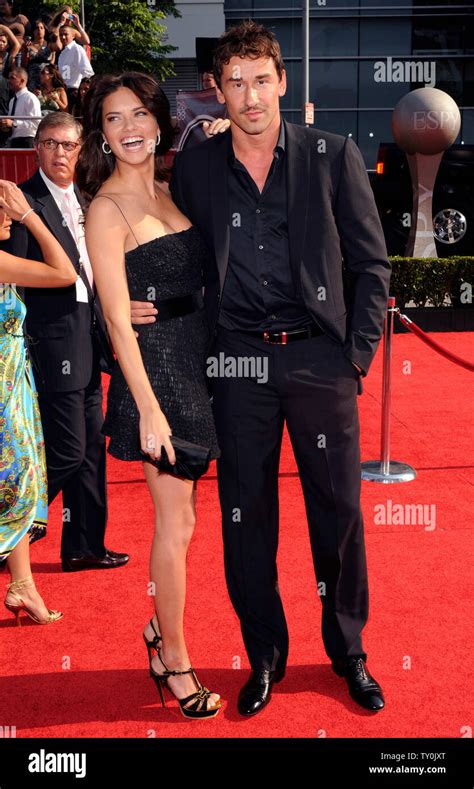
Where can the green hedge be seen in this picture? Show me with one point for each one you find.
(431, 281)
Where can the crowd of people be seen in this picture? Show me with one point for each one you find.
(44, 67)
(237, 289)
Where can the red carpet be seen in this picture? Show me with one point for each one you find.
(87, 675)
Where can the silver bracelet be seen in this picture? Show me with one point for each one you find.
(25, 215)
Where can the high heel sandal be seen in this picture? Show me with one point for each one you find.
(154, 643)
(198, 700)
(17, 608)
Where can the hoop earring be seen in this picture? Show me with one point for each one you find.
(108, 146)
(158, 139)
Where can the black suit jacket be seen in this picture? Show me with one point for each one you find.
(333, 223)
(61, 329)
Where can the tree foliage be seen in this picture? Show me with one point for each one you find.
(126, 35)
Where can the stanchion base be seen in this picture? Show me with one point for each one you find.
(372, 471)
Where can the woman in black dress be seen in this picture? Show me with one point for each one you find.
(141, 246)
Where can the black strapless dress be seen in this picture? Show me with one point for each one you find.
(173, 350)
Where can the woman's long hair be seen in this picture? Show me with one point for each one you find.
(57, 15)
(78, 101)
(94, 166)
(57, 81)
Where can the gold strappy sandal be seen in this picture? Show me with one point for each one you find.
(13, 589)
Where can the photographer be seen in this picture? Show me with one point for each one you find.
(73, 64)
(65, 15)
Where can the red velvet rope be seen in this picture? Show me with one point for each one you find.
(433, 344)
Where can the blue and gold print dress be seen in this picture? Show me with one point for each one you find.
(23, 485)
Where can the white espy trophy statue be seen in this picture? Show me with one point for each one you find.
(425, 123)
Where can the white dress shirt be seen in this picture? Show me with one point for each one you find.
(74, 65)
(71, 211)
(27, 104)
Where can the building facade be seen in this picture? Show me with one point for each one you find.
(198, 20)
(364, 56)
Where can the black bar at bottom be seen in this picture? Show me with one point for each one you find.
(348, 762)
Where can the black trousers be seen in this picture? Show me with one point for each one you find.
(313, 387)
(71, 98)
(75, 459)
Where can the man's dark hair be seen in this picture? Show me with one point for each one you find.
(247, 40)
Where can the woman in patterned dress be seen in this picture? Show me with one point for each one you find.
(23, 486)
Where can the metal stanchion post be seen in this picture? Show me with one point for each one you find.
(386, 470)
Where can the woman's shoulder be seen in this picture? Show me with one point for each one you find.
(104, 192)
(107, 208)
(97, 205)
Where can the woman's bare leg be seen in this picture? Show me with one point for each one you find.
(19, 559)
(174, 502)
(19, 567)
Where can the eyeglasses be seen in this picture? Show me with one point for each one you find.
(68, 145)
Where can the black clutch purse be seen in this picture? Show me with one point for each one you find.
(192, 460)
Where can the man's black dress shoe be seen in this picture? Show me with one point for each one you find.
(122, 557)
(108, 562)
(363, 688)
(256, 693)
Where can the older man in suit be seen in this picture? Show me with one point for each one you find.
(285, 209)
(69, 347)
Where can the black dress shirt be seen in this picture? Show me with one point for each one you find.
(259, 293)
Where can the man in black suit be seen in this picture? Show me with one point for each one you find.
(68, 346)
(286, 209)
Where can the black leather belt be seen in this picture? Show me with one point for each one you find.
(175, 308)
(284, 337)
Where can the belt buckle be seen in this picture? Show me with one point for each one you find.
(283, 341)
